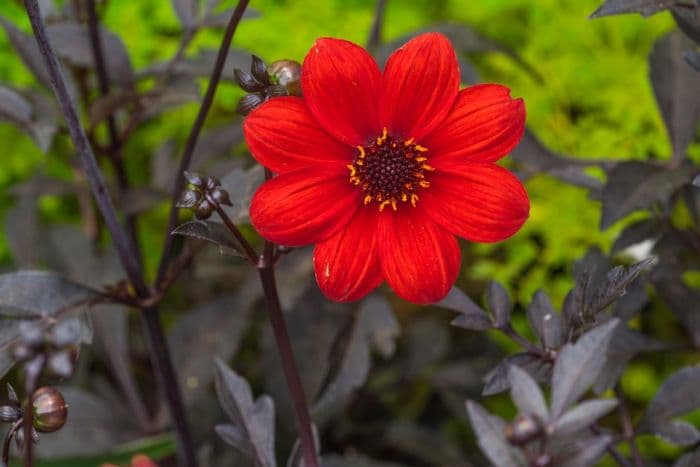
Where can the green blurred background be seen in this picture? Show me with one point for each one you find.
(595, 101)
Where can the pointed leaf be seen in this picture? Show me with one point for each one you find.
(471, 316)
(677, 90)
(526, 393)
(678, 395)
(627, 187)
(637, 233)
(497, 379)
(578, 366)
(582, 416)
(643, 7)
(186, 11)
(254, 420)
(616, 283)
(499, 303)
(212, 232)
(678, 432)
(545, 321)
(588, 455)
(490, 432)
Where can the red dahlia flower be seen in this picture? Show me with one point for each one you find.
(381, 171)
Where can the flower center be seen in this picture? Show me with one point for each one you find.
(390, 171)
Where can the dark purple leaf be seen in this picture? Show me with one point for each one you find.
(616, 283)
(424, 445)
(578, 365)
(629, 187)
(471, 316)
(499, 303)
(29, 115)
(582, 416)
(374, 322)
(545, 321)
(490, 433)
(526, 393)
(637, 232)
(240, 185)
(497, 379)
(186, 11)
(678, 432)
(587, 454)
(693, 59)
(678, 395)
(253, 421)
(677, 90)
(72, 43)
(213, 329)
(683, 301)
(688, 19)
(212, 232)
(643, 7)
(691, 459)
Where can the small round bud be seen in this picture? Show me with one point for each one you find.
(220, 196)
(287, 73)
(9, 413)
(543, 460)
(204, 210)
(524, 429)
(50, 409)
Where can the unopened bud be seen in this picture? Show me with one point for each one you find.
(9, 413)
(246, 81)
(221, 196)
(189, 199)
(204, 210)
(194, 179)
(50, 409)
(248, 103)
(287, 73)
(259, 70)
(212, 182)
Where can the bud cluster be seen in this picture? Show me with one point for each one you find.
(281, 78)
(202, 195)
(523, 431)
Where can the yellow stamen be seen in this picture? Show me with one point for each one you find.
(408, 186)
(383, 203)
(424, 183)
(414, 198)
(352, 171)
(360, 162)
(393, 204)
(427, 167)
(421, 159)
(404, 197)
(419, 175)
(409, 142)
(420, 148)
(368, 199)
(362, 152)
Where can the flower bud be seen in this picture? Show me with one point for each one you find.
(524, 429)
(246, 81)
(212, 182)
(50, 409)
(204, 210)
(259, 70)
(189, 199)
(248, 103)
(287, 73)
(194, 179)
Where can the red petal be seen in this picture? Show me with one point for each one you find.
(420, 259)
(141, 460)
(421, 81)
(346, 264)
(303, 207)
(479, 202)
(484, 124)
(341, 84)
(283, 136)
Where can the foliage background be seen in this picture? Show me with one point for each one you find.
(592, 99)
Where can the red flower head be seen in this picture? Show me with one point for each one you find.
(381, 171)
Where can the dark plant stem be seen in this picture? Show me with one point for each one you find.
(289, 366)
(375, 33)
(122, 243)
(196, 131)
(32, 371)
(266, 270)
(627, 427)
(167, 380)
(127, 382)
(88, 162)
(528, 346)
(250, 253)
(8, 440)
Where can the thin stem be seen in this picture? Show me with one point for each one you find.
(196, 131)
(32, 371)
(627, 427)
(375, 34)
(289, 366)
(88, 162)
(167, 380)
(8, 440)
(124, 247)
(250, 253)
(528, 346)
